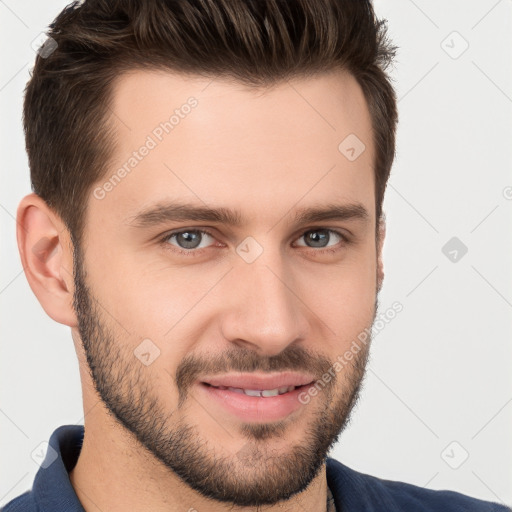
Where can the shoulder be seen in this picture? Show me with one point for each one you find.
(52, 489)
(354, 490)
(23, 503)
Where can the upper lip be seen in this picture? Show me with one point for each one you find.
(259, 381)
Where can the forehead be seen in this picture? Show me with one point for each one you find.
(216, 141)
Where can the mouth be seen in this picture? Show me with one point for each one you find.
(252, 397)
(275, 383)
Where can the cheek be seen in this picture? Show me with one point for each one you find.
(144, 295)
(343, 295)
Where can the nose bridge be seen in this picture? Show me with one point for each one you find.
(265, 313)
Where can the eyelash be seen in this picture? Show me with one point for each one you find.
(197, 252)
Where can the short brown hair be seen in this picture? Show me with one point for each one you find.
(256, 42)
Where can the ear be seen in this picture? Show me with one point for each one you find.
(380, 240)
(46, 254)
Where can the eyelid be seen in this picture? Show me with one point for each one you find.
(345, 239)
(342, 236)
(178, 250)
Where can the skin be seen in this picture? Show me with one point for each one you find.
(266, 153)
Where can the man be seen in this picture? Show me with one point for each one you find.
(207, 218)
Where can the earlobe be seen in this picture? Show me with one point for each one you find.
(47, 257)
(380, 264)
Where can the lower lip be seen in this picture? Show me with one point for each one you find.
(255, 408)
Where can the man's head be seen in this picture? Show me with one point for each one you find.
(209, 181)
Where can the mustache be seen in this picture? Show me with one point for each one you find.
(293, 358)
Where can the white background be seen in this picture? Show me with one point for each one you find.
(441, 370)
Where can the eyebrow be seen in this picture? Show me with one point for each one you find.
(162, 213)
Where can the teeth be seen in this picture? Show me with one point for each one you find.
(252, 392)
(236, 390)
(259, 392)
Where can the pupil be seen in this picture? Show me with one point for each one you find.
(187, 239)
(318, 237)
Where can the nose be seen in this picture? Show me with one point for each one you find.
(265, 311)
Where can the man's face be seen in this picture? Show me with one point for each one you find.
(179, 314)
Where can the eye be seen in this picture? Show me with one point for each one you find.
(320, 238)
(188, 240)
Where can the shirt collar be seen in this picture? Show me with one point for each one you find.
(52, 487)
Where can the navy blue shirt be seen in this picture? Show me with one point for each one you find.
(352, 491)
